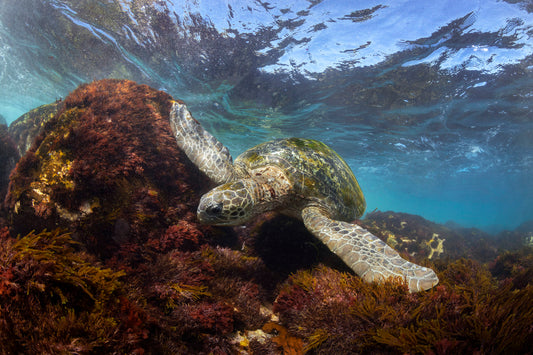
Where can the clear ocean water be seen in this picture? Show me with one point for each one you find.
(429, 102)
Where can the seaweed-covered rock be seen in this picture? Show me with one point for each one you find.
(515, 266)
(518, 238)
(25, 128)
(104, 167)
(285, 245)
(469, 312)
(423, 239)
(8, 158)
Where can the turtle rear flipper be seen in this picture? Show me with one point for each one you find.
(204, 150)
(367, 255)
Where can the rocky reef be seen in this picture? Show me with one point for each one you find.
(104, 167)
(101, 252)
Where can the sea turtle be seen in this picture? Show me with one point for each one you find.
(299, 177)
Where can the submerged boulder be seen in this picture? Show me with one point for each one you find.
(104, 166)
(8, 158)
(16, 139)
(25, 128)
(423, 239)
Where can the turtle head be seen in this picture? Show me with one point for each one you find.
(227, 205)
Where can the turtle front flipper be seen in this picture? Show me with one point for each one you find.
(367, 255)
(204, 150)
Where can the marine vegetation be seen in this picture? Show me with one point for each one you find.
(469, 312)
(54, 299)
(101, 252)
(105, 167)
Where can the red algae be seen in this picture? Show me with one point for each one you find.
(468, 312)
(106, 167)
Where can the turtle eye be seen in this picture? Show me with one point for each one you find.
(214, 210)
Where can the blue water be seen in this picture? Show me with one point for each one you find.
(430, 102)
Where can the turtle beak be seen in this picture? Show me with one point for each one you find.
(211, 211)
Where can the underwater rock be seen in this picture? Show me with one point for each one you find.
(8, 158)
(520, 237)
(423, 239)
(515, 266)
(25, 128)
(105, 167)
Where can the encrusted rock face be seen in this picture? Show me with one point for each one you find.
(423, 239)
(8, 158)
(105, 167)
(25, 128)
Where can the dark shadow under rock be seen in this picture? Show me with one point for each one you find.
(285, 245)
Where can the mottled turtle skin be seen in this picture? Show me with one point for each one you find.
(303, 178)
